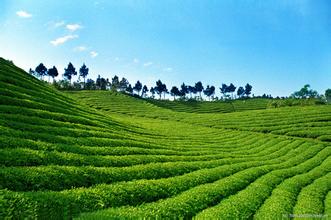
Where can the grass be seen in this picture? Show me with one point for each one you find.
(103, 155)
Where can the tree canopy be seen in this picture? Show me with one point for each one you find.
(52, 72)
(69, 72)
(41, 70)
(305, 92)
(83, 72)
(138, 86)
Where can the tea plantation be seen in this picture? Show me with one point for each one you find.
(104, 155)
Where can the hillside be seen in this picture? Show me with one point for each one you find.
(212, 107)
(101, 155)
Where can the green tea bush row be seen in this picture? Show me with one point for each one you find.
(244, 204)
(196, 199)
(284, 196)
(119, 194)
(19, 92)
(135, 192)
(28, 157)
(6, 100)
(47, 115)
(327, 205)
(311, 198)
(65, 177)
(62, 177)
(88, 141)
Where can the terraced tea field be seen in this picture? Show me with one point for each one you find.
(103, 155)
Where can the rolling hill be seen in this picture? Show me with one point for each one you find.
(101, 155)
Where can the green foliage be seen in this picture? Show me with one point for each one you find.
(277, 103)
(305, 92)
(328, 95)
(312, 197)
(41, 70)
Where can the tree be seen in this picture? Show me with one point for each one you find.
(152, 91)
(175, 92)
(305, 92)
(209, 91)
(115, 83)
(137, 87)
(328, 95)
(248, 89)
(101, 83)
(164, 90)
(129, 89)
(69, 72)
(199, 88)
(90, 84)
(108, 84)
(212, 91)
(123, 84)
(159, 88)
(144, 92)
(224, 90)
(52, 72)
(206, 91)
(231, 88)
(62, 85)
(240, 91)
(41, 70)
(191, 89)
(31, 72)
(183, 90)
(83, 72)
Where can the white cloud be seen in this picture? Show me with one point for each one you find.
(117, 59)
(62, 40)
(80, 49)
(148, 64)
(135, 60)
(168, 69)
(59, 24)
(93, 54)
(23, 14)
(73, 27)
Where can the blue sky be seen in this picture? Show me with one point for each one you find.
(277, 46)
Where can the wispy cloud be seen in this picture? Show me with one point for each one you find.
(62, 40)
(116, 59)
(59, 24)
(99, 5)
(167, 69)
(80, 49)
(136, 60)
(93, 54)
(23, 14)
(73, 27)
(148, 64)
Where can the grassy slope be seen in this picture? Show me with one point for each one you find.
(192, 106)
(67, 153)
